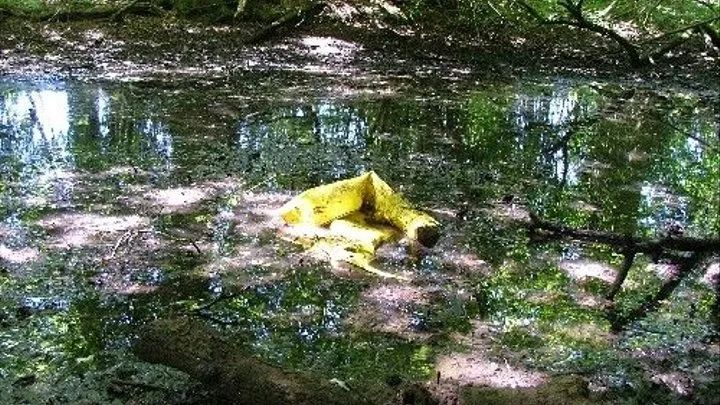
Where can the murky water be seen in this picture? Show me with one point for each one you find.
(122, 203)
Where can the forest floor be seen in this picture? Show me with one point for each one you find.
(358, 47)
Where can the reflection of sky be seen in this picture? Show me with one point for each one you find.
(696, 132)
(341, 125)
(42, 118)
(555, 112)
(663, 207)
(39, 142)
(160, 140)
(40, 128)
(102, 104)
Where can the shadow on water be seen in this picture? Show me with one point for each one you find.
(122, 204)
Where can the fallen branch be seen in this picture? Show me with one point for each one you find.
(120, 13)
(694, 250)
(711, 147)
(712, 34)
(137, 384)
(577, 19)
(628, 260)
(236, 378)
(624, 242)
(665, 49)
(684, 266)
(682, 29)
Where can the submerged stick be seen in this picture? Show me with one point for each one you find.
(235, 378)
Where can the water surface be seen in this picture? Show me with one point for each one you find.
(121, 203)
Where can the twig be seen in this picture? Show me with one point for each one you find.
(122, 238)
(219, 321)
(119, 14)
(126, 238)
(650, 11)
(214, 301)
(287, 20)
(258, 184)
(705, 3)
(530, 9)
(699, 140)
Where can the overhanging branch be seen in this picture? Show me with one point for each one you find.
(577, 19)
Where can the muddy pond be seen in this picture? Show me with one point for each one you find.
(125, 202)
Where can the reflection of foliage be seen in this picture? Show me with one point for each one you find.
(298, 322)
(305, 145)
(591, 156)
(517, 295)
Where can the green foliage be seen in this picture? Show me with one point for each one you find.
(518, 338)
(648, 16)
(23, 6)
(215, 11)
(640, 22)
(32, 8)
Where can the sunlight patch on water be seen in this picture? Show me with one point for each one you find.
(74, 230)
(583, 269)
(476, 369)
(177, 198)
(17, 256)
(327, 46)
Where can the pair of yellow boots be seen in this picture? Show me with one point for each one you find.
(355, 217)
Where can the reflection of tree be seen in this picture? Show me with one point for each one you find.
(609, 166)
(84, 124)
(628, 157)
(37, 149)
(302, 145)
(116, 127)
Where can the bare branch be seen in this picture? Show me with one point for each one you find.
(685, 266)
(577, 19)
(627, 242)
